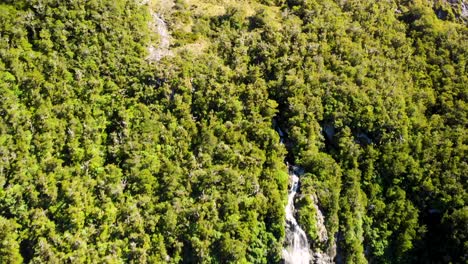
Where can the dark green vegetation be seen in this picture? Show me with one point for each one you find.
(106, 156)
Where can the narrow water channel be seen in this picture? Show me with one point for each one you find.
(296, 248)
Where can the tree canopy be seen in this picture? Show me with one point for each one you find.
(109, 155)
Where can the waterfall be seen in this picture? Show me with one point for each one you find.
(297, 247)
(160, 27)
(296, 250)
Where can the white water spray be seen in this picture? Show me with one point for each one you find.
(297, 247)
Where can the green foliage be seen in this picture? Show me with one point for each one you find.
(9, 249)
(105, 155)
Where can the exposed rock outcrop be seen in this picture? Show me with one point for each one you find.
(158, 25)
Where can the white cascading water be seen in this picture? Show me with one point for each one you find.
(162, 50)
(296, 250)
(297, 247)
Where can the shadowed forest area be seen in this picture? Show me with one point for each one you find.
(145, 131)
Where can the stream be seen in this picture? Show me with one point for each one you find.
(296, 250)
(160, 27)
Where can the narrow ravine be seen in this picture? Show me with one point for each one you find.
(296, 248)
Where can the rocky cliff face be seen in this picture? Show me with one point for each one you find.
(159, 26)
(318, 256)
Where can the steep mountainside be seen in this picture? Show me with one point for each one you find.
(146, 131)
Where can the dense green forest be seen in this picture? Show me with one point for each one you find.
(110, 155)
